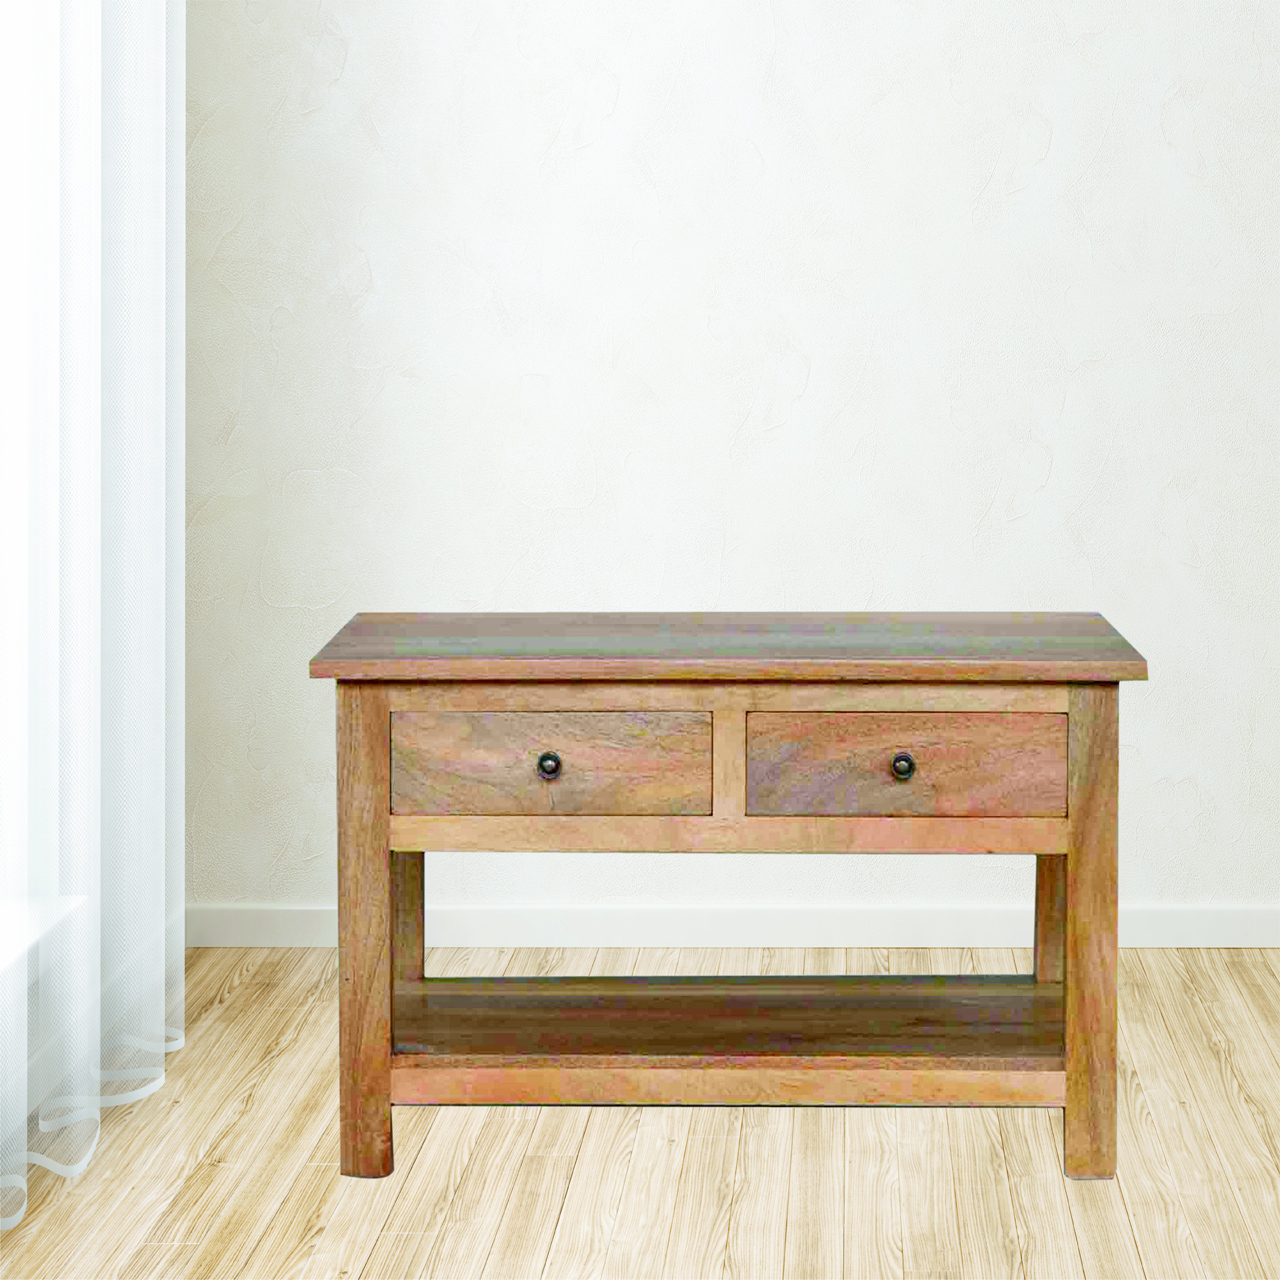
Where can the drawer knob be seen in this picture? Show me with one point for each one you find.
(903, 766)
(548, 765)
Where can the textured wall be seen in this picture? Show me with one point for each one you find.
(716, 304)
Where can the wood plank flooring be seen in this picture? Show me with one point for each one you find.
(231, 1170)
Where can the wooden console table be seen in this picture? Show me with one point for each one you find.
(728, 733)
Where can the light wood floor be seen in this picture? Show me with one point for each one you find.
(230, 1169)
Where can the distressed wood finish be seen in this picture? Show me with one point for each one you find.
(1091, 934)
(988, 764)
(733, 733)
(364, 929)
(733, 835)
(720, 696)
(407, 903)
(1051, 918)
(711, 1081)
(820, 1039)
(976, 1020)
(1052, 647)
(729, 725)
(613, 762)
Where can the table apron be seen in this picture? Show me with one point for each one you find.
(731, 835)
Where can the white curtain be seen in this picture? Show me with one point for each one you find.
(91, 550)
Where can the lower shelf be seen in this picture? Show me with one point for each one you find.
(974, 1040)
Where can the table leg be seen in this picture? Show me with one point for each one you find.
(406, 902)
(1089, 993)
(364, 929)
(1051, 916)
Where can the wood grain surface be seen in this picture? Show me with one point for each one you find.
(472, 1220)
(1162, 1232)
(926, 1175)
(1206, 1177)
(1102, 1227)
(986, 1234)
(1061, 647)
(737, 695)
(755, 1244)
(407, 904)
(714, 834)
(729, 726)
(1231, 1067)
(217, 1091)
(700, 1217)
(986, 1237)
(405, 1244)
(872, 1195)
(360, 1208)
(982, 1021)
(1032, 1145)
(364, 928)
(1197, 1062)
(1050, 918)
(642, 1228)
(612, 762)
(418, 1080)
(815, 1207)
(930, 1241)
(593, 1199)
(985, 764)
(757, 1236)
(741, 767)
(1090, 939)
(533, 1204)
(729, 1040)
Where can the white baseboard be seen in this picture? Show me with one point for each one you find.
(238, 924)
(1207, 926)
(260, 924)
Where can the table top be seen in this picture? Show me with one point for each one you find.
(1052, 647)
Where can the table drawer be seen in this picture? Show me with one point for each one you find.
(981, 764)
(609, 762)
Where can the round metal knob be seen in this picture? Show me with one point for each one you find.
(548, 765)
(902, 766)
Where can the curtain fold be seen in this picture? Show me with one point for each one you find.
(91, 842)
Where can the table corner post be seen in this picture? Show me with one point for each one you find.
(364, 928)
(1091, 934)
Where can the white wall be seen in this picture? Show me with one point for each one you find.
(726, 305)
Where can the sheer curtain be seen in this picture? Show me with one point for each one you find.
(91, 549)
